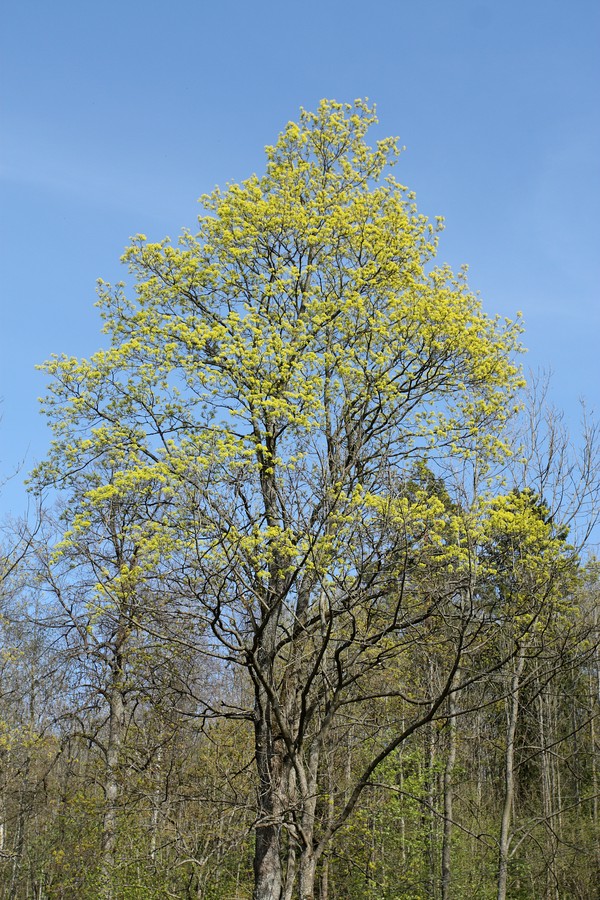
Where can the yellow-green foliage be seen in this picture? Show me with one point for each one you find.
(526, 557)
(302, 334)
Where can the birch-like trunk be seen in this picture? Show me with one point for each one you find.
(156, 795)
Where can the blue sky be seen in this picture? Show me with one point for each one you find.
(116, 116)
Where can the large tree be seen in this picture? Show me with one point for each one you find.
(279, 373)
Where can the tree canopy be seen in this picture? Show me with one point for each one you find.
(253, 476)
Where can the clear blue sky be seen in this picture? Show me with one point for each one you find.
(116, 116)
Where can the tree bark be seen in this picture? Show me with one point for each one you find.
(114, 744)
(428, 814)
(509, 774)
(308, 873)
(449, 794)
(308, 856)
(268, 872)
(111, 797)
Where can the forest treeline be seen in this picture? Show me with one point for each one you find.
(307, 608)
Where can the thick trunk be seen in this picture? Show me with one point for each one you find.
(267, 864)
(268, 869)
(268, 874)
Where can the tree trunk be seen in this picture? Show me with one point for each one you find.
(549, 789)
(268, 875)
(509, 774)
(449, 794)
(428, 814)
(267, 864)
(308, 857)
(2, 826)
(292, 849)
(19, 845)
(308, 872)
(156, 795)
(324, 881)
(111, 791)
(114, 745)
(290, 871)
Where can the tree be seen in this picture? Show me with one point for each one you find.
(104, 606)
(534, 571)
(531, 573)
(279, 373)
